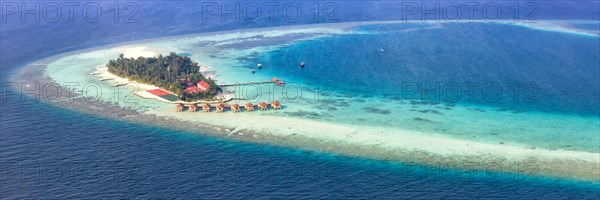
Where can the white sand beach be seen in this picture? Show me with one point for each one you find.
(103, 74)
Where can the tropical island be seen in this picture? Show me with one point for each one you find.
(177, 74)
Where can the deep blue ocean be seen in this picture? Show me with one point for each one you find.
(52, 153)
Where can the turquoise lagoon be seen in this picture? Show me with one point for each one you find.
(493, 83)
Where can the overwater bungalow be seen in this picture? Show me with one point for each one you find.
(235, 107)
(262, 105)
(206, 107)
(249, 107)
(179, 107)
(192, 108)
(219, 108)
(275, 105)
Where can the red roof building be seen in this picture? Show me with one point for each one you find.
(203, 85)
(192, 89)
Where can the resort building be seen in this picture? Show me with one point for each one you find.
(192, 108)
(262, 105)
(201, 86)
(206, 107)
(249, 107)
(219, 108)
(235, 107)
(275, 105)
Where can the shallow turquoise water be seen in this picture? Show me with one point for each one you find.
(507, 66)
(494, 83)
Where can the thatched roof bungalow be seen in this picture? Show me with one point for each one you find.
(275, 105)
(235, 107)
(206, 107)
(192, 108)
(179, 107)
(219, 108)
(249, 107)
(262, 105)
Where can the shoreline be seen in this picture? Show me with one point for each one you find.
(102, 72)
(403, 147)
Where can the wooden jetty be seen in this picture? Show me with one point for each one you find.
(246, 83)
(273, 80)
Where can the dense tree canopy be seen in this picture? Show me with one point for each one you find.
(172, 72)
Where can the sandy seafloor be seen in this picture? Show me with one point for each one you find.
(331, 122)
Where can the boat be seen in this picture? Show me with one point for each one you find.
(277, 81)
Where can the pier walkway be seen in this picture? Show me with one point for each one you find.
(246, 83)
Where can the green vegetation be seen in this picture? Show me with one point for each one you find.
(172, 72)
